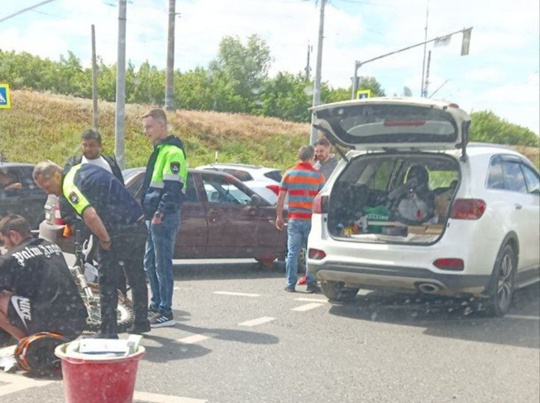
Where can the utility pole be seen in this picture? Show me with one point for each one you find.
(317, 85)
(120, 117)
(94, 80)
(169, 89)
(426, 82)
(423, 91)
(308, 67)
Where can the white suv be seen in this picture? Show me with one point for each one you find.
(262, 180)
(415, 208)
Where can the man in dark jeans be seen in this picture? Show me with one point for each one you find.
(116, 220)
(91, 147)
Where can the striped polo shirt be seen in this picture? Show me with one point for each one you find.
(302, 182)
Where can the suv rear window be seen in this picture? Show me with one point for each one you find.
(274, 175)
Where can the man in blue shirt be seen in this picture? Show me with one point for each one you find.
(116, 220)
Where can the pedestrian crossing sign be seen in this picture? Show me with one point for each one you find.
(362, 94)
(5, 97)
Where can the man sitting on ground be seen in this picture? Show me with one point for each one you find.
(37, 291)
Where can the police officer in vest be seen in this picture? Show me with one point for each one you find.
(116, 220)
(163, 194)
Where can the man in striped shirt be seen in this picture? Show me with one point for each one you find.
(302, 182)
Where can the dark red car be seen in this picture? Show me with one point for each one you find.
(221, 218)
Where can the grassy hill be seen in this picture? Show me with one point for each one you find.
(46, 126)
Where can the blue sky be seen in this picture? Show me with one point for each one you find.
(500, 74)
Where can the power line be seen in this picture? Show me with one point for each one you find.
(25, 9)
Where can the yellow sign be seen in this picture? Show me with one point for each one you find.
(5, 97)
(361, 94)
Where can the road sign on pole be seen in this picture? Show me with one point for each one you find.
(5, 97)
(361, 94)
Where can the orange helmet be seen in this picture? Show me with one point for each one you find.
(35, 353)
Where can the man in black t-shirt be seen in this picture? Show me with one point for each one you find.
(37, 291)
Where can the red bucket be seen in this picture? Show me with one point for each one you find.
(99, 378)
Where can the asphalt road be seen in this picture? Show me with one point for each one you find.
(240, 338)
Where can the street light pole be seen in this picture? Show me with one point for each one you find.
(120, 116)
(358, 64)
(317, 85)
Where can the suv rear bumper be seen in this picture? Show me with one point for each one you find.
(406, 279)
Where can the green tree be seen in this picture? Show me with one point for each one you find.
(195, 90)
(70, 78)
(106, 81)
(239, 73)
(148, 86)
(287, 97)
(486, 127)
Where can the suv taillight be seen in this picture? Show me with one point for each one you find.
(273, 188)
(57, 219)
(449, 264)
(316, 254)
(468, 209)
(320, 204)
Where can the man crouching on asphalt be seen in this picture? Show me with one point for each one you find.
(37, 291)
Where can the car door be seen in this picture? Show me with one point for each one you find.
(525, 212)
(192, 239)
(236, 228)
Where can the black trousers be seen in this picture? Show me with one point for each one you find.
(125, 255)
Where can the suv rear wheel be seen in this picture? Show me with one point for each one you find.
(337, 291)
(501, 289)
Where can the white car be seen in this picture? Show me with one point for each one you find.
(264, 181)
(415, 208)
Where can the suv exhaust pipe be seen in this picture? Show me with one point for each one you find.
(428, 288)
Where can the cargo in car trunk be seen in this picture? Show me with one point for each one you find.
(393, 197)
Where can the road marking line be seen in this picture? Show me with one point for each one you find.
(157, 398)
(306, 307)
(311, 300)
(240, 294)
(522, 317)
(17, 383)
(193, 339)
(258, 321)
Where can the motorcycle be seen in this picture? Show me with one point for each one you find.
(86, 275)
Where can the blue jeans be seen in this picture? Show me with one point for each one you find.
(158, 261)
(297, 236)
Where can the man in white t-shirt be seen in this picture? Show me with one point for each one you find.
(91, 147)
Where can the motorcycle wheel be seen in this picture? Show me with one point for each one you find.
(124, 313)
